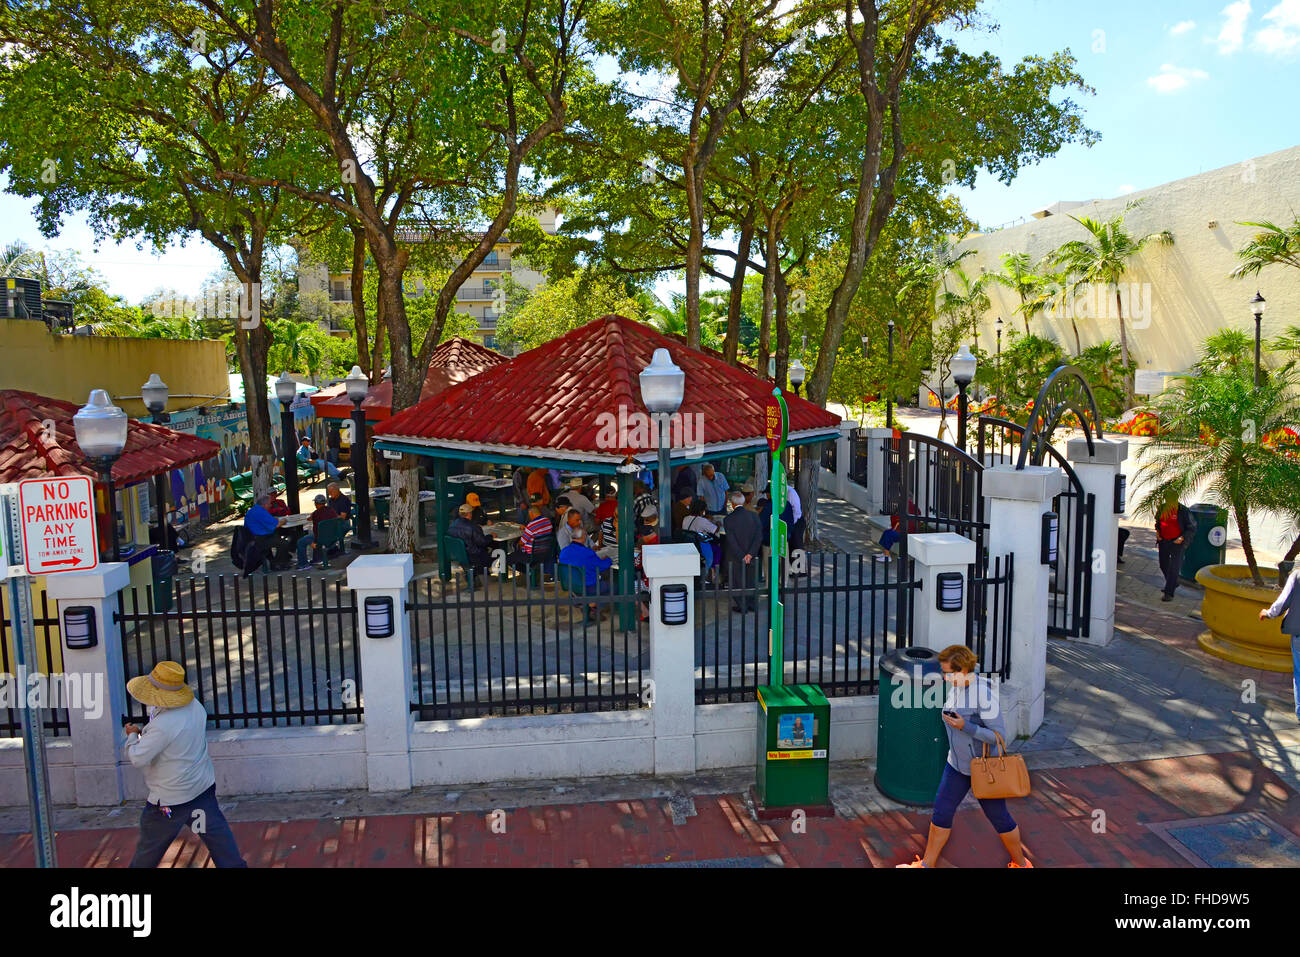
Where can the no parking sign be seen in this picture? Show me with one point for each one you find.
(58, 524)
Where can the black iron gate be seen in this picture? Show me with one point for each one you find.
(1070, 588)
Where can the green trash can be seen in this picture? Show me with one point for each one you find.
(911, 743)
(164, 571)
(1208, 543)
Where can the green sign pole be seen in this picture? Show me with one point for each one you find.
(778, 432)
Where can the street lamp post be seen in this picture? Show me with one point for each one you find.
(889, 389)
(101, 434)
(285, 390)
(797, 374)
(1257, 308)
(963, 373)
(154, 393)
(663, 385)
(357, 385)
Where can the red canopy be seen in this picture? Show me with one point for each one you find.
(566, 397)
(453, 361)
(38, 440)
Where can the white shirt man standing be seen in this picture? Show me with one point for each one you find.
(171, 750)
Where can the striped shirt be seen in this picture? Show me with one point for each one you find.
(539, 528)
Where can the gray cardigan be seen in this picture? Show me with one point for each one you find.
(1288, 605)
(979, 728)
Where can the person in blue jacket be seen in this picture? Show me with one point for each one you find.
(971, 724)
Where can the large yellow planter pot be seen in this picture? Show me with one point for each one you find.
(1231, 609)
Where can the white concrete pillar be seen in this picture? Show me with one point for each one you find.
(1016, 503)
(672, 658)
(385, 671)
(1097, 475)
(876, 504)
(938, 554)
(96, 735)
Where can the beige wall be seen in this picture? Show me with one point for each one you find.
(1191, 294)
(67, 367)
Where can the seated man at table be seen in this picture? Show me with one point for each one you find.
(644, 498)
(479, 516)
(278, 508)
(608, 506)
(570, 522)
(608, 537)
(534, 544)
(579, 555)
(478, 548)
(322, 512)
(713, 488)
(264, 528)
(308, 457)
(682, 508)
(578, 500)
(341, 504)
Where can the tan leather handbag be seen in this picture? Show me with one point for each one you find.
(1001, 776)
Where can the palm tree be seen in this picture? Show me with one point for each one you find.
(1103, 260)
(1273, 245)
(672, 319)
(1211, 431)
(18, 260)
(970, 298)
(1017, 274)
(299, 349)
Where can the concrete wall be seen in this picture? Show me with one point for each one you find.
(67, 367)
(1192, 295)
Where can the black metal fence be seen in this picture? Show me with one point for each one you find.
(841, 616)
(525, 647)
(257, 652)
(988, 614)
(50, 660)
(938, 484)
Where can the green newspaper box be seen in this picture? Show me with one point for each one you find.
(794, 737)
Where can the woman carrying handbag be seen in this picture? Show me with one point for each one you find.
(971, 734)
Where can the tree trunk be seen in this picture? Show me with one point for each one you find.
(358, 287)
(782, 330)
(1247, 546)
(1123, 351)
(694, 249)
(731, 348)
(1078, 349)
(408, 380)
(771, 268)
(807, 483)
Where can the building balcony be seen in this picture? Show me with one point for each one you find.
(476, 292)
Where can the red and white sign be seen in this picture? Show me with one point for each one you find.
(58, 518)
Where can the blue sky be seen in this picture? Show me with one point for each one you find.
(1181, 87)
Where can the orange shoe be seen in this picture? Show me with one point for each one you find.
(916, 863)
(1028, 863)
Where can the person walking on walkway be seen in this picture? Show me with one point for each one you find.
(171, 750)
(969, 730)
(1174, 529)
(1287, 607)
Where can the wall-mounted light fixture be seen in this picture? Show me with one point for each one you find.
(672, 604)
(1121, 491)
(949, 590)
(79, 629)
(379, 616)
(1051, 536)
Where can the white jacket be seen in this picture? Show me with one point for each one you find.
(172, 752)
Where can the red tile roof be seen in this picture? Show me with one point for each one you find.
(29, 450)
(552, 398)
(453, 361)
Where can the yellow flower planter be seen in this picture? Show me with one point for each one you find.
(1231, 609)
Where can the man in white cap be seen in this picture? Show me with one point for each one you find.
(171, 750)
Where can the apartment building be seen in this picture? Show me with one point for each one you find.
(478, 297)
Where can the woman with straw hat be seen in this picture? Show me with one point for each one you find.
(171, 750)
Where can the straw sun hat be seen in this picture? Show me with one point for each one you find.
(164, 687)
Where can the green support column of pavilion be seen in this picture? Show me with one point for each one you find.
(440, 515)
(626, 545)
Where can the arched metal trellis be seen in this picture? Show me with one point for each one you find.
(1065, 391)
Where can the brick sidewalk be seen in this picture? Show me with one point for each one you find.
(1057, 822)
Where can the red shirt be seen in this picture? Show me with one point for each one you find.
(278, 508)
(605, 510)
(322, 512)
(1169, 526)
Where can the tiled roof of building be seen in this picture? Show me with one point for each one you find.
(561, 396)
(453, 361)
(38, 440)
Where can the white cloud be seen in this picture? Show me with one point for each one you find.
(1282, 35)
(1127, 188)
(1233, 31)
(1186, 26)
(1172, 78)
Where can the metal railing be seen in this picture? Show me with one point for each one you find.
(841, 617)
(49, 661)
(522, 646)
(256, 653)
(988, 615)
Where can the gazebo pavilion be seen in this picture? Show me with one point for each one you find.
(575, 403)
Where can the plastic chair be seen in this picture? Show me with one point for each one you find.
(329, 533)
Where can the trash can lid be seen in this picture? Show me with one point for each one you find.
(911, 662)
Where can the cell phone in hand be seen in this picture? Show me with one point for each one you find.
(951, 714)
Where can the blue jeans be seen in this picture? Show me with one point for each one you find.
(954, 786)
(305, 543)
(1295, 675)
(158, 829)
